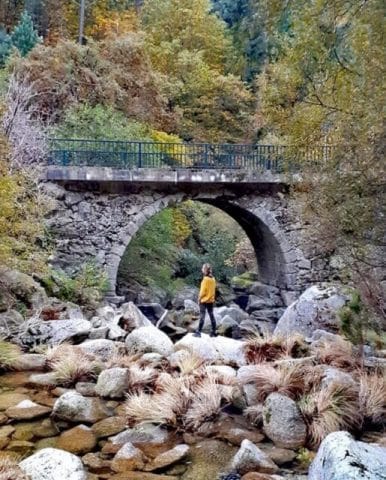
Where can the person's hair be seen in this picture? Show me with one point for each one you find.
(207, 269)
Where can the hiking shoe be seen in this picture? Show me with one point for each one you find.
(197, 334)
(213, 334)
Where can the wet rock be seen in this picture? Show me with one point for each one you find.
(208, 459)
(26, 410)
(250, 458)
(168, 458)
(21, 447)
(283, 422)
(236, 435)
(112, 382)
(102, 349)
(53, 464)
(10, 399)
(38, 332)
(128, 458)
(46, 428)
(148, 339)
(73, 407)
(79, 440)
(340, 457)
(316, 308)
(5, 435)
(109, 426)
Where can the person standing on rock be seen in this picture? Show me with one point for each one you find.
(206, 300)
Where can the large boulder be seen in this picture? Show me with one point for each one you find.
(74, 407)
(219, 349)
(283, 422)
(340, 457)
(102, 349)
(316, 308)
(132, 317)
(53, 464)
(10, 322)
(24, 288)
(36, 332)
(234, 312)
(148, 339)
(186, 293)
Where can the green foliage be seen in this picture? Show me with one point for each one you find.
(100, 123)
(5, 46)
(86, 286)
(24, 37)
(9, 354)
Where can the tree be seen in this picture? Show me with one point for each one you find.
(5, 46)
(24, 37)
(326, 87)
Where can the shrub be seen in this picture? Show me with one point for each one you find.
(330, 409)
(9, 355)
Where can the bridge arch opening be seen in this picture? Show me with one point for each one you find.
(271, 264)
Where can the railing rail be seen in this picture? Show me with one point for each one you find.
(139, 154)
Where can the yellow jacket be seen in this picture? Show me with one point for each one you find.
(207, 290)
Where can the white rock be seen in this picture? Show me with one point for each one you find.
(112, 382)
(316, 308)
(340, 457)
(72, 406)
(148, 339)
(53, 464)
(52, 332)
(102, 348)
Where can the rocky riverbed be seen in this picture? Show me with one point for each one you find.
(109, 395)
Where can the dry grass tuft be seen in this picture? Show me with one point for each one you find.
(205, 405)
(122, 361)
(72, 365)
(254, 414)
(9, 354)
(328, 410)
(372, 397)
(141, 378)
(338, 353)
(190, 364)
(286, 379)
(269, 347)
(9, 470)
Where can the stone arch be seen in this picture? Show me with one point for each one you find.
(270, 244)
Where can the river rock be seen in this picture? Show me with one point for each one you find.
(250, 458)
(73, 407)
(112, 382)
(316, 308)
(186, 293)
(36, 332)
(27, 410)
(168, 458)
(79, 440)
(340, 457)
(53, 464)
(283, 422)
(101, 348)
(128, 458)
(132, 317)
(109, 426)
(149, 339)
(30, 361)
(235, 312)
(10, 399)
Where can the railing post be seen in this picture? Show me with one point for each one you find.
(139, 155)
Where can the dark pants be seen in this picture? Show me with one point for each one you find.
(206, 307)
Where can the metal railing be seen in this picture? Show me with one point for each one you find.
(132, 155)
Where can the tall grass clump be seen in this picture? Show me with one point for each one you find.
(372, 398)
(270, 347)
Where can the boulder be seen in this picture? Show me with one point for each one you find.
(316, 308)
(226, 325)
(132, 317)
(36, 332)
(24, 288)
(250, 458)
(283, 422)
(259, 303)
(219, 349)
(109, 426)
(152, 311)
(112, 382)
(340, 457)
(168, 458)
(73, 407)
(334, 375)
(79, 440)
(148, 339)
(10, 322)
(103, 349)
(191, 307)
(128, 458)
(27, 410)
(186, 293)
(235, 312)
(31, 361)
(53, 464)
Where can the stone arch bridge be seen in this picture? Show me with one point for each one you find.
(104, 196)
